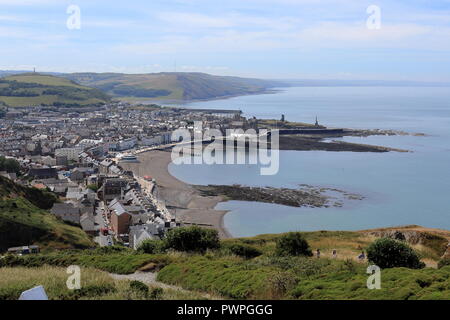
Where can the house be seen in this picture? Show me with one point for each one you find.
(72, 154)
(24, 250)
(143, 232)
(120, 218)
(104, 166)
(80, 173)
(87, 222)
(77, 175)
(43, 173)
(67, 212)
(61, 160)
(112, 188)
(126, 144)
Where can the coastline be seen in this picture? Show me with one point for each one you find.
(182, 199)
(171, 103)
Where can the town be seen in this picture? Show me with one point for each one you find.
(77, 155)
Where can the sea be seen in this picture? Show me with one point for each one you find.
(398, 188)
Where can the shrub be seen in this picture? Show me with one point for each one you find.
(192, 239)
(349, 265)
(293, 244)
(88, 291)
(156, 293)
(139, 287)
(390, 253)
(443, 263)
(111, 250)
(243, 250)
(281, 283)
(93, 187)
(152, 246)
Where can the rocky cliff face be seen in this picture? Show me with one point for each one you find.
(415, 235)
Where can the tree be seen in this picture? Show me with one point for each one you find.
(192, 239)
(9, 165)
(390, 253)
(152, 246)
(444, 262)
(293, 244)
(93, 187)
(243, 250)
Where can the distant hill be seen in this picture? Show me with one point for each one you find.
(24, 220)
(29, 89)
(172, 86)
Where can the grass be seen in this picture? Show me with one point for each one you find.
(220, 273)
(181, 86)
(44, 80)
(95, 285)
(37, 89)
(226, 277)
(24, 220)
(21, 223)
(126, 262)
(396, 284)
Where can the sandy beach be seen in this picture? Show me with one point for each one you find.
(181, 198)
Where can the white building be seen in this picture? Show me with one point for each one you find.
(72, 154)
(126, 144)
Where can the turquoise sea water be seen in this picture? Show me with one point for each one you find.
(399, 188)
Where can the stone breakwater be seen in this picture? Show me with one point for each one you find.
(304, 196)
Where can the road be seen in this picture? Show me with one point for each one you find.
(101, 239)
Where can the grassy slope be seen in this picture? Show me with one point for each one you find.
(73, 92)
(95, 284)
(271, 277)
(181, 86)
(24, 220)
(310, 278)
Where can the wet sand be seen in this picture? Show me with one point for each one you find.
(183, 200)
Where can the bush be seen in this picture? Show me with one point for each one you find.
(243, 250)
(293, 244)
(139, 287)
(152, 246)
(192, 239)
(156, 293)
(281, 283)
(443, 263)
(93, 187)
(390, 253)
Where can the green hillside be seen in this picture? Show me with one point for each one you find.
(253, 268)
(24, 220)
(29, 89)
(172, 86)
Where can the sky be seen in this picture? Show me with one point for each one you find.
(279, 39)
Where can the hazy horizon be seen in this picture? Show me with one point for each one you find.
(272, 39)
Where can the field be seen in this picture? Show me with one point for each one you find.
(36, 89)
(266, 275)
(170, 86)
(44, 80)
(95, 284)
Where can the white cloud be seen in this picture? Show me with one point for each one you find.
(27, 2)
(194, 20)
